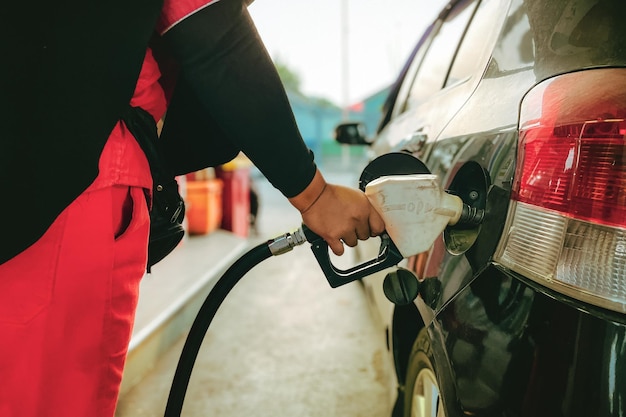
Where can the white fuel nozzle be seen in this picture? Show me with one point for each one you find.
(414, 208)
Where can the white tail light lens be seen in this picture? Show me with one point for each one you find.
(567, 225)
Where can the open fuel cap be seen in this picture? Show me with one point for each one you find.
(394, 163)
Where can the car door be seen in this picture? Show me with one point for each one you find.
(417, 116)
(422, 103)
(469, 128)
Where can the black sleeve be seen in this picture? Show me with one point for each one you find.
(226, 66)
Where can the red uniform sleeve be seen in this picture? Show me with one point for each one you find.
(175, 11)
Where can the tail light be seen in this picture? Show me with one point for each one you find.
(567, 222)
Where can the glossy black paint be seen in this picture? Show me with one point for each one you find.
(502, 345)
(517, 352)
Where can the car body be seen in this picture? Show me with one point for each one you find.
(519, 108)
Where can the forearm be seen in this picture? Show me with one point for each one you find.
(223, 58)
(233, 78)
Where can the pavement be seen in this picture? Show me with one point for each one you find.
(283, 342)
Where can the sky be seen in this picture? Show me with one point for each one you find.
(306, 35)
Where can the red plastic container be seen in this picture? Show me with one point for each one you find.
(235, 199)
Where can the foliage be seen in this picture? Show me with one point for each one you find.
(291, 79)
(293, 84)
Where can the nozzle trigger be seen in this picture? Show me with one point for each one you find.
(388, 256)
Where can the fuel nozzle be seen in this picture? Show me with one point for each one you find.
(471, 216)
(416, 210)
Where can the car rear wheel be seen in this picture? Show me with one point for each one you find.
(422, 395)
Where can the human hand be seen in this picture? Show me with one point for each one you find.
(339, 214)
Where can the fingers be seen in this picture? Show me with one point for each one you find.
(336, 246)
(350, 239)
(376, 224)
(363, 232)
(343, 216)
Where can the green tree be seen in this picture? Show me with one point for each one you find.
(291, 79)
(293, 84)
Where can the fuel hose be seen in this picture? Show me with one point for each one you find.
(388, 256)
(213, 301)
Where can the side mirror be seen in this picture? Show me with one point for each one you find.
(352, 133)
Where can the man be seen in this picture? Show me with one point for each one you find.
(75, 180)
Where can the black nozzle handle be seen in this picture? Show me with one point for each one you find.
(388, 256)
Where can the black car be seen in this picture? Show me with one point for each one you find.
(519, 108)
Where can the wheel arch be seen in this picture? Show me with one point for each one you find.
(406, 325)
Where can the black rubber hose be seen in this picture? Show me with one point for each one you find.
(201, 324)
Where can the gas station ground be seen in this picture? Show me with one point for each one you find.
(282, 344)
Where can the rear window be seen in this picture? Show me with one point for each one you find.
(433, 70)
(470, 57)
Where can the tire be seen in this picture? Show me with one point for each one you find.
(422, 395)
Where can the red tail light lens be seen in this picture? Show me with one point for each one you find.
(572, 158)
(568, 228)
